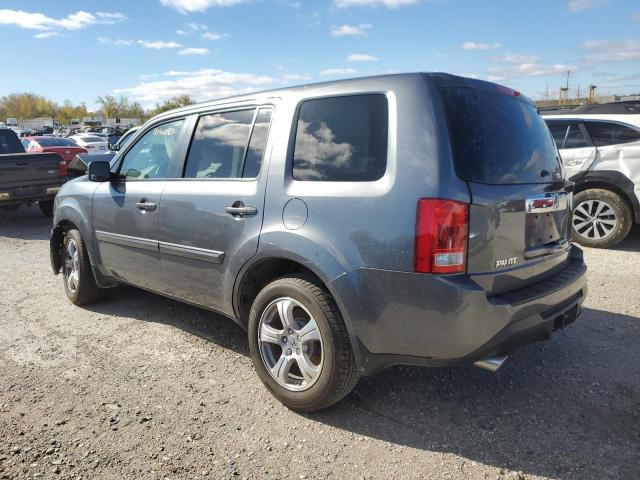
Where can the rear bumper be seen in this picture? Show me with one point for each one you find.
(20, 196)
(417, 319)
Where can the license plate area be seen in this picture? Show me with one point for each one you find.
(547, 219)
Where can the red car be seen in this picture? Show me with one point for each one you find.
(64, 147)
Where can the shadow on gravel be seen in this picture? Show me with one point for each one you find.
(632, 242)
(26, 223)
(132, 302)
(556, 409)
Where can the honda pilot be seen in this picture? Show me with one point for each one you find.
(419, 219)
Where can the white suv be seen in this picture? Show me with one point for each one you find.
(600, 150)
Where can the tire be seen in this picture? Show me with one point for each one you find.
(329, 359)
(82, 288)
(46, 207)
(601, 218)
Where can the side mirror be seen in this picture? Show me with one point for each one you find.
(99, 171)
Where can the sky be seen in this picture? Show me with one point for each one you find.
(150, 50)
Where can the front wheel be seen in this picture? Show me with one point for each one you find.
(79, 282)
(601, 218)
(299, 344)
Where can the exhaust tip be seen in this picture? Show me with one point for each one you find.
(491, 364)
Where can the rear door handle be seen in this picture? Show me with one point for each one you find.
(145, 205)
(239, 210)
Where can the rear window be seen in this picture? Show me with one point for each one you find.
(606, 133)
(92, 139)
(9, 142)
(56, 142)
(498, 138)
(342, 139)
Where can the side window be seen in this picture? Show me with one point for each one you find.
(257, 143)
(605, 133)
(575, 138)
(219, 145)
(151, 155)
(342, 139)
(558, 132)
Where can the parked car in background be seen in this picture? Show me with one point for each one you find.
(401, 223)
(23, 132)
(26, 177)
(64, 147)
(600, 150)
(91, 142)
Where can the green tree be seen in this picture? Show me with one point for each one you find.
(109, 106)
(174, 102)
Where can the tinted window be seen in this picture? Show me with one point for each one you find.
(575, 138)
(56, 142)
(558, 132)
(9, 142)
(498, 138)
(257, 144)
(342, 139)
(604, 133)
(150, 156)
(219, 145)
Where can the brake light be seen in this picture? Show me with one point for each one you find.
(442, 228)
(62, 168)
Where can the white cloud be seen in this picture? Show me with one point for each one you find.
(612, 51)
(479, 46)
(337, 72)
(159, 44)
(374, 3)
(117, 42)
(182, 32)
(516, 58)
(193, 51)
(73, 21)
(576, 6)
(189, 6)
(361, 57)
(211, 36)
(295, 77)
(208, 83)
(43, 35)
(351, 30)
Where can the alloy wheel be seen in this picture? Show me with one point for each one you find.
(594, 220)
(290, 344)
(72, 266)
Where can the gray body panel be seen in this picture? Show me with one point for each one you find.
(26, 177)
(357, 237)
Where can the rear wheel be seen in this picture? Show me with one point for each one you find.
(79, 282)
(46, 207)
(299, 344)
(601, 218)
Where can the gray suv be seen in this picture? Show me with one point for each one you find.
(416, 219)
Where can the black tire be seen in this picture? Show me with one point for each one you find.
(621, 210)
(86, 291)
(339, 373)
(46, 207)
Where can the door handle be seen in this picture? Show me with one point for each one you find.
(146, 206)
(240, 210)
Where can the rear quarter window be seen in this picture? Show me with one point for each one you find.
(607, 133)
(498, 138)
(342, 139)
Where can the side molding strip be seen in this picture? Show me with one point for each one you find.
(127, 241)
(194, 253)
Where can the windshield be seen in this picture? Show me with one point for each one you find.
(498, 138)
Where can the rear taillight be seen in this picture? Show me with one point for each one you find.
(441, 236)
(62, 168)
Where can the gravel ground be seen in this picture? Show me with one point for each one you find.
(141, 387)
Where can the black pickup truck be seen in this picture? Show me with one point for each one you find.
(26, 178)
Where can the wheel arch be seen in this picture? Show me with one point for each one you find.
(613, 181)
